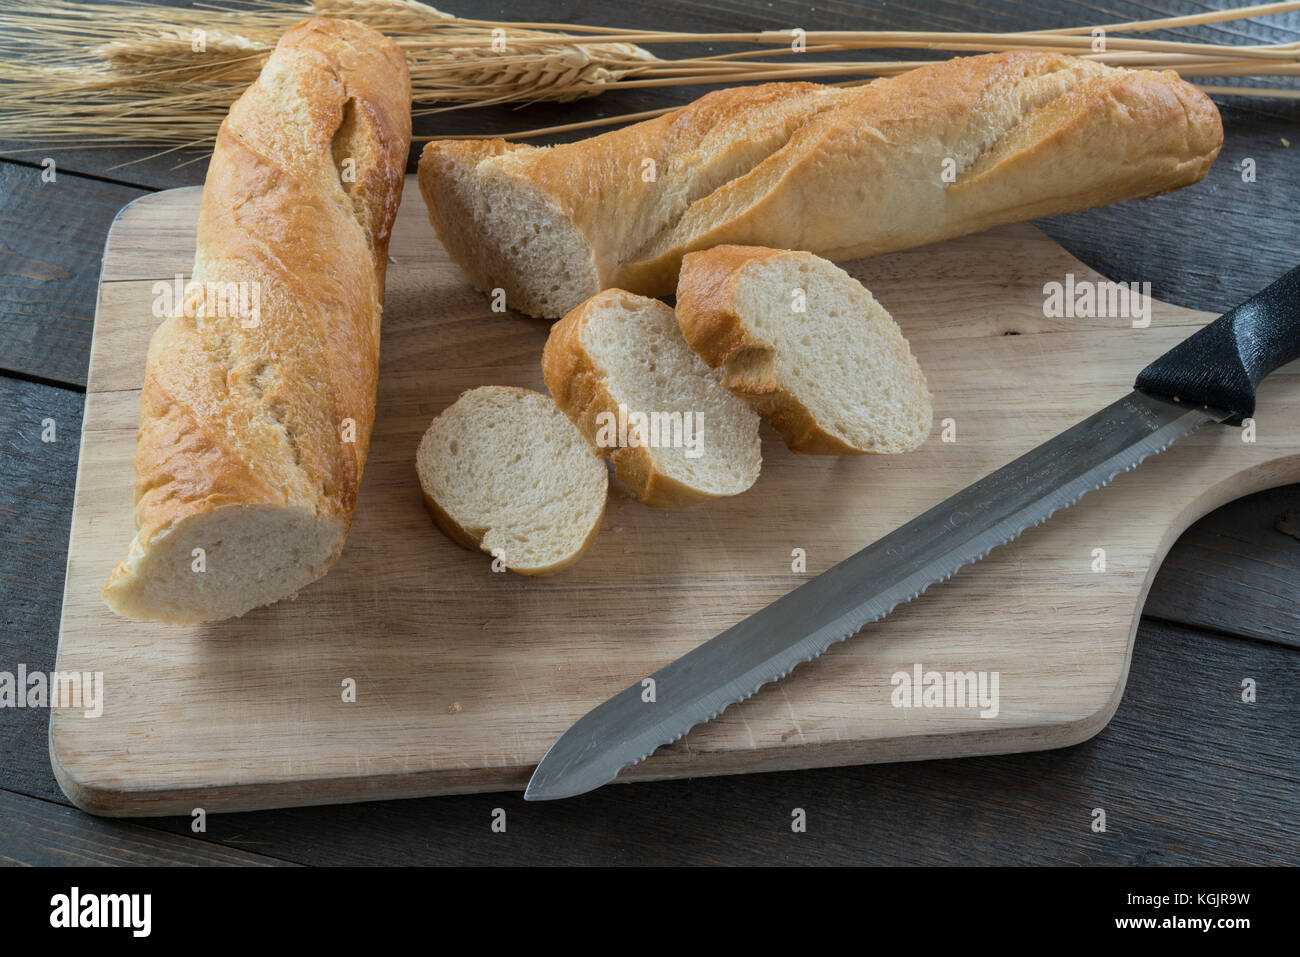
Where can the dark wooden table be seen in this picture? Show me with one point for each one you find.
(1187, 772)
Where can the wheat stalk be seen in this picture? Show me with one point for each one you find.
(552, 70)
(171, 54)
(92, 74)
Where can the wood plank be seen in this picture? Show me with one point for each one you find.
(51, 246)
(37, 480)
(1187, 774)
(38, 833)
(521, 659)
(1237, 570)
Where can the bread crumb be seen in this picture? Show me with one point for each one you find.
(486, 623)
(1286, 142)
(455, 708)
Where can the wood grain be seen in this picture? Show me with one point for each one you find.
(465, 676)
(51, 246)
(38, 834)
(1187, 773)
(1236, 570)
(37, 479)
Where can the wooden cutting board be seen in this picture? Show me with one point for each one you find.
(465, 676)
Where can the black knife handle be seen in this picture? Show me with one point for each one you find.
(1220, 365)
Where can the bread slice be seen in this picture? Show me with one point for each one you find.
(807, 346)
(503, 471)
(620, 369)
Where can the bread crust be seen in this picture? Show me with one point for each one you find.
(865, 182)
(714, 329)
(852, 172)
(298, 207)
(579, 388)
(466, 539)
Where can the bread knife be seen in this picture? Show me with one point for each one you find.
(1208, 378)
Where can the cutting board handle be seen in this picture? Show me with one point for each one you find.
(1221, 365)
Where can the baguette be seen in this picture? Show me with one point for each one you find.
(620, 369)
(807, 346)
(504, 472)
(930, 154)
(255, 421)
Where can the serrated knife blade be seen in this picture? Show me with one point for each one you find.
(1216, 369)
(836, 604)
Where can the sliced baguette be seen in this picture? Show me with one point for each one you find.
(504, 472)
(940, 151)
(836, 378)
(621, 350)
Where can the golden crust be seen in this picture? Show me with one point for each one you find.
(712, 327)
(466, 539)
(613, 192)
(579, 388)
(852, 172)
(298, 206)
(862, 182)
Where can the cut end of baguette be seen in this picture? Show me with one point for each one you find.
(252, 555)
(620, 369)
(503, 471)
(504, 231)
(808, 347)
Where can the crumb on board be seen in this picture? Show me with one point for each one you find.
(1285, 142)
(454, 708)
(486, 623)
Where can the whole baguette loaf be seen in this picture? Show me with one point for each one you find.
(933, 153)
(255, 421)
